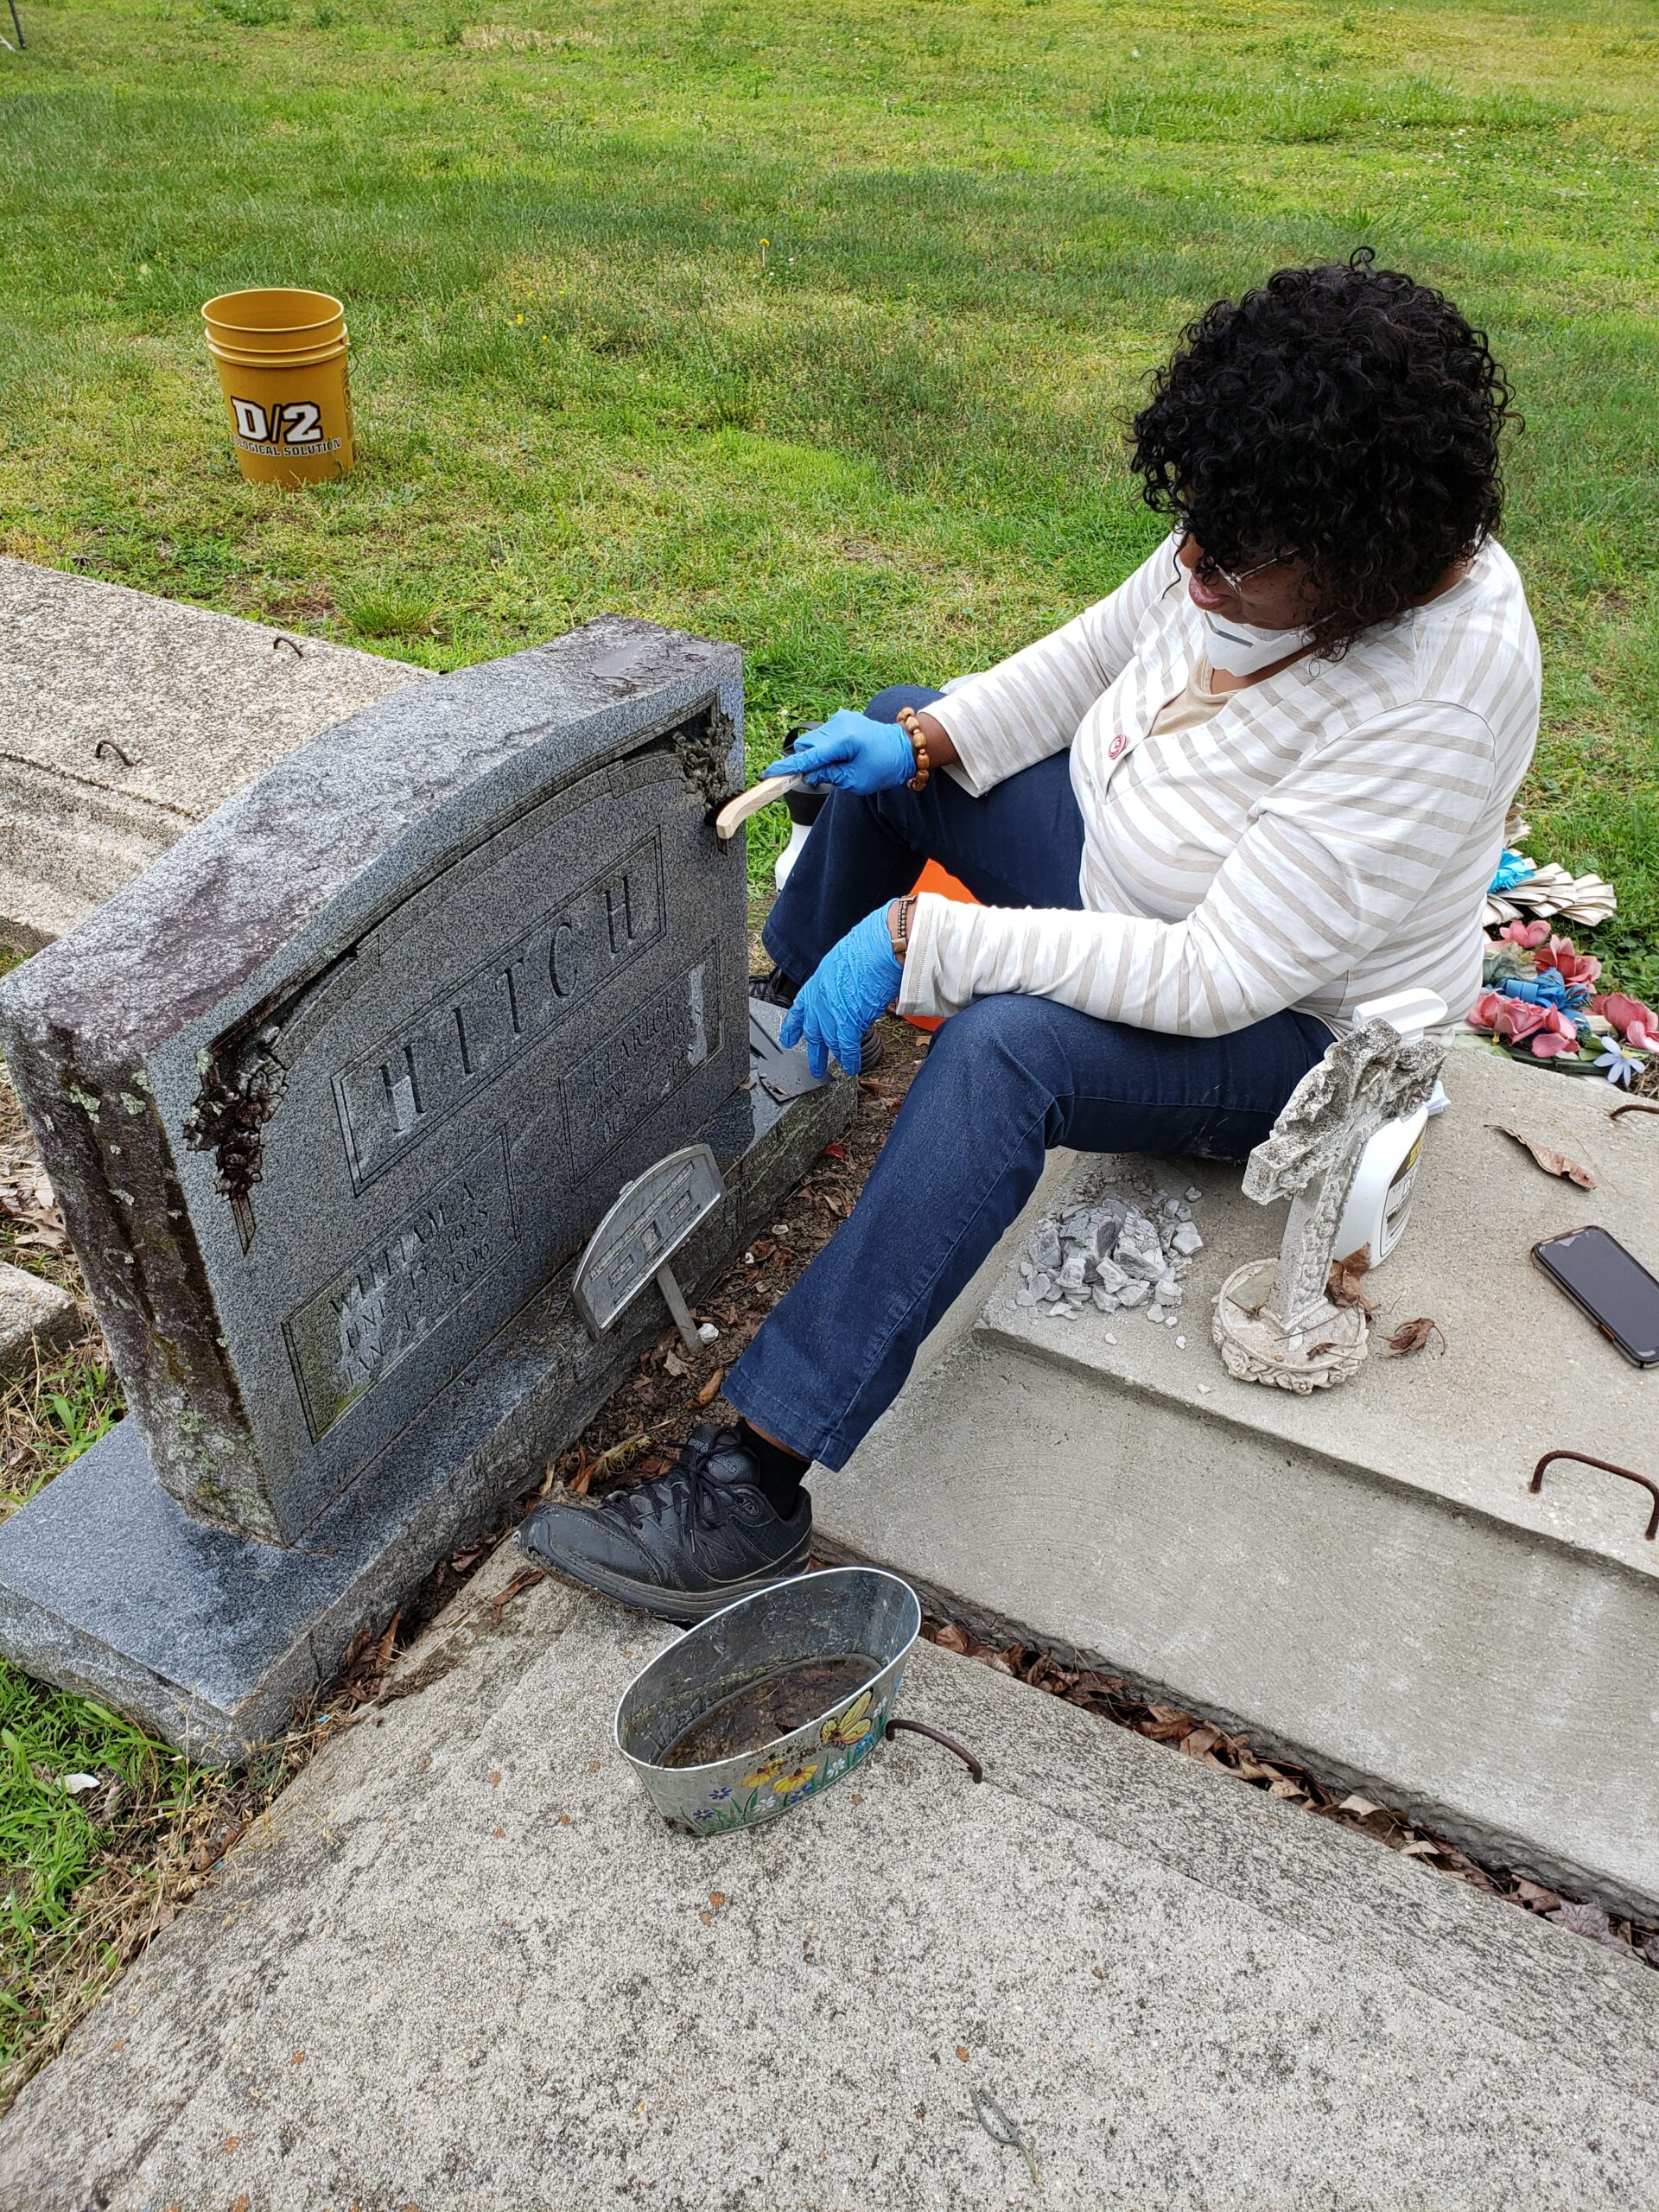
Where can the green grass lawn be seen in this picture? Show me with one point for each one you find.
(811, 326)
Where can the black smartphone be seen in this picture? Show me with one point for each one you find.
(1609, 1284)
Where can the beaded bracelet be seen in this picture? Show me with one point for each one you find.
(900, 932)
(918, 737)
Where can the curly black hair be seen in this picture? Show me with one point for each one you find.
(1343, 416)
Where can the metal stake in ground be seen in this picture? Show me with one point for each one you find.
(650, 1220)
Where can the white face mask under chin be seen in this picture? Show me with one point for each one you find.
(1245, 648)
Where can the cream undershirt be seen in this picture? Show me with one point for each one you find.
(1191, 709)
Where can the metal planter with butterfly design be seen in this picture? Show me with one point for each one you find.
(843, 1635)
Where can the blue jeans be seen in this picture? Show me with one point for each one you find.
(1006, 1079)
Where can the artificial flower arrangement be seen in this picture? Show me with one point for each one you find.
(1540, 1004)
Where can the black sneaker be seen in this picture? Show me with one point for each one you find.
(681, 1545)
(775, 988)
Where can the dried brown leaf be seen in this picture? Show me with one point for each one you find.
(526, 1579)
(1536, 1898)
(1411, 1336)
(951, 1637)
(1168, 1724)
(1093, 1685)
(1459, 1863)
(1552, 1162)
(42, 1237)
(1589, 1919)
(711, 1390)
(1344, 1286)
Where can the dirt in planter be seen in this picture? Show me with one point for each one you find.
(776, 1706)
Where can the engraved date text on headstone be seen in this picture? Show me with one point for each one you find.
(349, 1335)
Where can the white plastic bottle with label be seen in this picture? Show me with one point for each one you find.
(1380, 1200)
(804, 807)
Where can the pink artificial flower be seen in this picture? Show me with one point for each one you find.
(1513, 1021)
(1575, 967)
(1637, 1024)
(1525, 934)
(1561, 1035)
(1518, 1019)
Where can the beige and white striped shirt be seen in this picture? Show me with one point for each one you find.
(1328, 836)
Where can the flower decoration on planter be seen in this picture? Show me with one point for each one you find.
(1539, 1004)
(848, 1726)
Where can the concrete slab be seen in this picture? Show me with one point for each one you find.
(462, 1964)
(1361, 1577)
(36, 1318)
(124, 718)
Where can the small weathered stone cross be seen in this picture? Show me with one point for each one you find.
(1285, 1331)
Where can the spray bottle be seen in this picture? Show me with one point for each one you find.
(804, 807)
(1379, 1199)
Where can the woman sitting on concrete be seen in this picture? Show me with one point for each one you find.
(1264, 780)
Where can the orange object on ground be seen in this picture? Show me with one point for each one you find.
(281, 358)
(934, 878)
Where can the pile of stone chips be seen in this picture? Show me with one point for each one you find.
(1113, 1253)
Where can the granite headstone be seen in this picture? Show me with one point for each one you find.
(333, 1095)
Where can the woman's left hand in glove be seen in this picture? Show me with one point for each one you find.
(850, 753)
(856, 980)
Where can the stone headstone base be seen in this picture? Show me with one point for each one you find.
(1325, 1348)
(108, 1588)
(1360, 1577)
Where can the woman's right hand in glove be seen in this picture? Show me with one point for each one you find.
(850, 753)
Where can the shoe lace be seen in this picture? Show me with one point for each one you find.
(684, 1488)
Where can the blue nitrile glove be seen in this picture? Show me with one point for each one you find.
(855, 981)
(851, 752)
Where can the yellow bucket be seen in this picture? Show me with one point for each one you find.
(281, 357)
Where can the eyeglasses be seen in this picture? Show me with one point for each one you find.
(1212, 572)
